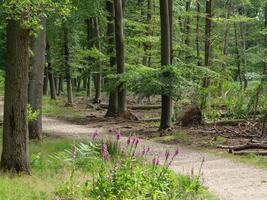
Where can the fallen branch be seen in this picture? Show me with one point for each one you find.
(136, 107)
(258, 153)
(244, 147)
(226, 122)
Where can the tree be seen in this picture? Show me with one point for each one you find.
(113, 95)
(53, 91)
(265, 37)
(15, 155)
(119, 37)
(98, 78)
(66, 63)
(35, 89)
(166, 100)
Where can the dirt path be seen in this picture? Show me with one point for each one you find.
(227, 179)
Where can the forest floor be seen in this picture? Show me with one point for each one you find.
(226, 178)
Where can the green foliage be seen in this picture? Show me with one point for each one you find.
(32, 115)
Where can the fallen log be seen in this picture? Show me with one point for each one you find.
(226, 122)
(243, 153)
(244, 147)
(136, 107)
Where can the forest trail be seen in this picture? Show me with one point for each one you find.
(225, 178)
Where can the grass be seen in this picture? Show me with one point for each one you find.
(52, 177)
(57, 108)
(45, 178)
(177, 137)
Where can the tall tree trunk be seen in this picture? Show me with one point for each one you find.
(98, 79)
(119, 40)
(238, 58)
(197, 34)
(187, 30)
(88, 86)
(265, 45)
(66, 63)
(15, 154)
(170, 10)
(45, 88)
(90, 35)
(165, 60)
(208, 39)
(113, 95)
(36, 81)
(227, 30)
(52, 85)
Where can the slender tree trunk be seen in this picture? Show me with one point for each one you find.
(187, 30)
(36, 81)
(52, 85)
(208, 39)
(198, 34)
(79, 81)
(227, 31)
(119, 40)
(89, 87)
(238, 58)
(90, 35)
(15, 153)
(98, 80)
(165, 60)
(66, 64)
(170, 10)
(45, 88)
(113, 95)
(265, 25)
(84, 83)
(56, 79)
(60, 85)
(265, 63)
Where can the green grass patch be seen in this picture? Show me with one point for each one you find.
(57, 108)
(179, 136)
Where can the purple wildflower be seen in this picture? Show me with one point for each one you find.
(118, 135)
(144, 151)
(167, 155)
(148, 149)
(174, 155)
(95, 134)
(128, 141)
(157, 162)
(133, 141)
(104, 152)
(136, 142)
(176, 152)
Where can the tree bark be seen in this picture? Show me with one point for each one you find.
(52, 85)
(208, 39)
(113, 95)
(165, 60)
(66, 63)
(265, 42)
(45, 88)
(187, 29)
(197, 34)
(119, 41)
(15, 154)
(98, 80)
(36, 81)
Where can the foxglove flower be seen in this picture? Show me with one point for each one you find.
(118, 135)
(95, 134)
(104, 152)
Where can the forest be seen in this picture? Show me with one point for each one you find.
(133, 99)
